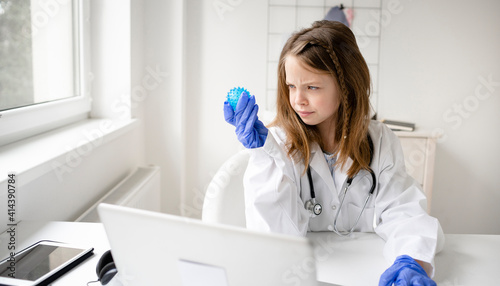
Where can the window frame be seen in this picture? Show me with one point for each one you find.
(23, 122)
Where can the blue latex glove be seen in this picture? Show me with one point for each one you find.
(250, 130)
(405, 272)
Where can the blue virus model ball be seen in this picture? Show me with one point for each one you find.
(234, 95)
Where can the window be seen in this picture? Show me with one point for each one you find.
(43, 66)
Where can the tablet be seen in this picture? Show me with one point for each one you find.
(41, 263)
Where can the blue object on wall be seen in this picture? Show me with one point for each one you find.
(337, 14)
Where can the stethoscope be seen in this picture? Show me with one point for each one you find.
(315, 208)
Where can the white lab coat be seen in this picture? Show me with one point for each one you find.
(276, 189)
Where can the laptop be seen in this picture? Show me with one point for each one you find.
(151, 248)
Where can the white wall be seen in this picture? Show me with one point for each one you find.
(65, 197)
(225, 47)
(435, 57)
(162, 42)
(64, 186)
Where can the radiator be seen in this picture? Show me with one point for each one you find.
(140, 189)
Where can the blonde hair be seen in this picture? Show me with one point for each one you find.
(330, 47)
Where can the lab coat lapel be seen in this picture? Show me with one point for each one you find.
(341, 175)
(319, 165)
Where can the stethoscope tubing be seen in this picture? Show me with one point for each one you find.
(312, 203)
(370, 193)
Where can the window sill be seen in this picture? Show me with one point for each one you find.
(36, 156)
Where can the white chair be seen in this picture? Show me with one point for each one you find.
(224, 199)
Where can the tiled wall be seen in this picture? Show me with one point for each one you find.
(287, 16)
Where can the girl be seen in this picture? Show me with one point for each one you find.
(323, 165)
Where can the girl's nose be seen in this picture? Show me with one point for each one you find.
(300, 98)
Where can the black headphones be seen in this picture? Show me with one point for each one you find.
(106, 268)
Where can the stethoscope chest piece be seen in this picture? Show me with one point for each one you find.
(313, 207)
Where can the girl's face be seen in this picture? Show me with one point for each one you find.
(314, 95)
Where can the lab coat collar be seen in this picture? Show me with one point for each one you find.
(319, 165)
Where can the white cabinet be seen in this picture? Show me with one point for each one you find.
(419, 149)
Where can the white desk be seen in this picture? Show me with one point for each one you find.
(357, 260)
(466, 259)
(85, 234)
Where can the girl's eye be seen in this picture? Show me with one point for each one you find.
(313, 87)
(291, 86)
